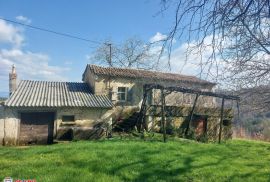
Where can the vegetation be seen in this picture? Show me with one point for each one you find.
(2, 99)
(138, 160)
(257, 126)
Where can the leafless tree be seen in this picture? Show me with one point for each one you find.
(255, 100)
(132, 53)
(236, 31)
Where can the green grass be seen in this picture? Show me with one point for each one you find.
(126, 160)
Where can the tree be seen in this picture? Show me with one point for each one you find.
(132, 53)
(255, 100)
(237, 32)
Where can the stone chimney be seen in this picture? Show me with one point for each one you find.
(12, 80)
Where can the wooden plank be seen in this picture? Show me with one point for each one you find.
(221, 120)
(36, 127)
(191, 114)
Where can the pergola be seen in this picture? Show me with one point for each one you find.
(167, 90)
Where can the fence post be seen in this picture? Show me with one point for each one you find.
(163, 114)
(221, 120)
(191, 114)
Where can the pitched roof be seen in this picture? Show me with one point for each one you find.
(55, 94)
(145, 74)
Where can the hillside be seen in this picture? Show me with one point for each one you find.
(125, 160)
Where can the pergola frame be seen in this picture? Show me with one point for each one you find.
(167, 90)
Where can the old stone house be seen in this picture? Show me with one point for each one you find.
(125, 89)
(40, 111)
(125, 86)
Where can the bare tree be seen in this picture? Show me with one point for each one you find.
(255, 100)
(132, 53)
(236, 31)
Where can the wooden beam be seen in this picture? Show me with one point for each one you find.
(163, 120)
(192, 91)
(221, 120)
(191, 114)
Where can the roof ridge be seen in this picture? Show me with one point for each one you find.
(140, 69)
(131, 72)
(49, 81)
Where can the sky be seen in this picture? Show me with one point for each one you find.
(41, 55)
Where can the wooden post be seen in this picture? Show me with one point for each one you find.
(238, 112)
(142, 110)
(221, 120)
(191, 114)
(163, 114)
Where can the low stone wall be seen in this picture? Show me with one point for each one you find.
(178, 117)
(89, 123)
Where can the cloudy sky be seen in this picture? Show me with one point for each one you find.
(40, 55)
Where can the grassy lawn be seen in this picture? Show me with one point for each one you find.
(126, 160)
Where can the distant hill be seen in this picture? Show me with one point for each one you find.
(3, 98)
(3, 94)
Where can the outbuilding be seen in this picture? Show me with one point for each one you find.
(40, 111)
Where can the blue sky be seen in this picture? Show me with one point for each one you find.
(43, 56)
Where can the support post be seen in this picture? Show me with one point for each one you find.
(163, 115)
(142, 110)
(221, 120)
(239, 122)
(191, 114)
(110, 64)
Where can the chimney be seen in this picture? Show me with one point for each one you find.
(12, 80)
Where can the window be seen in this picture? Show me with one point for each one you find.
(68, 118)
(227, 122)
(122, 93)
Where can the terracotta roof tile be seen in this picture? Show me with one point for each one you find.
(145, 74)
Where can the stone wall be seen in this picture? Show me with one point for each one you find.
(135, 91)
(182, 99)
(9, 126)
(178, 117)
(89, 123)
(89, 78)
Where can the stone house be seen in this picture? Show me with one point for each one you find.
(40, 111)
(125, 86)
(125, 89)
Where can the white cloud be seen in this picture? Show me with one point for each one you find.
(10, 34)
(23, 19)
(158, 37)
(196, 63)
(29, 65)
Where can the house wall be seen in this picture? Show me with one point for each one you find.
(89, 123)
(180, 99)
(135, 91)
(89, 78)
(85, 119)
(9, 125)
